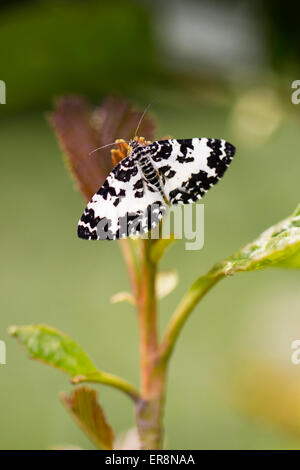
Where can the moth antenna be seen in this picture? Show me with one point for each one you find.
(141, 118)
(108, 145)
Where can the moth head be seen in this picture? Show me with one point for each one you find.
(138, 141)
(125, 148)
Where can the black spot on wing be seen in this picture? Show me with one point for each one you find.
(193, 189)
(160, 150)
(229, 150)
(138, 187)
(94, 228)
(125, 170)
(185, 146)
(217, 159)
(125, 175)
(201, 180)
(127, 162)
(88, 218)
(138, 184)
(167, 171)
(87, 225)
(86, 233)
(106, 190)
(119, 196)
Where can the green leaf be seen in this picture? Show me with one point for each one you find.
(291, 262)
(84, 408)
(54, 348)
(160, 247)
(278, 246)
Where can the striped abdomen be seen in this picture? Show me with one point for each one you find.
(150, 172)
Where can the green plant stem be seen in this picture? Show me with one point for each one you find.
(154, 358)
(112, 380)
(147, 318)
(142, 270)
(196, 292)
(149, 410)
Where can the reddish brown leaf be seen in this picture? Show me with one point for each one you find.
(71, 120)
(81, 130)
(116, 119)
(84, 408)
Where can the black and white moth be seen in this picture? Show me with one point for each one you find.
(135, 195)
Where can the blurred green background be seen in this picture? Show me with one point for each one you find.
(215, 69)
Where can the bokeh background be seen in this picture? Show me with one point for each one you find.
(210, 68)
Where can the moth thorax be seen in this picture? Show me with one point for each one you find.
(134, 144)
